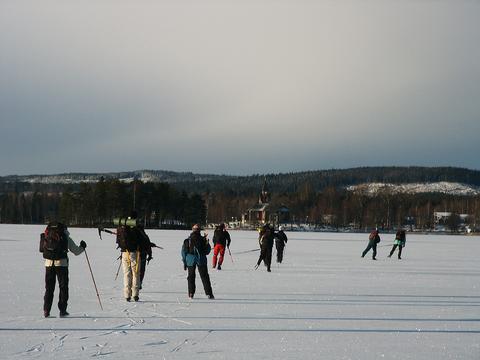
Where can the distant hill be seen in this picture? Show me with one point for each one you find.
(467, 180)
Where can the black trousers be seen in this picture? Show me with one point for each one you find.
(400, 247)
(143, 266)
(371, 245)
(266, 256)
(203, 271)
(280, 247)
(51, 274)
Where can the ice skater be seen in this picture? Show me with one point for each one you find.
(265, 240)
(280, 242)
(221, 239)
(400, 239)
(373, 240)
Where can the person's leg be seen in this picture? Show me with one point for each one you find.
(280, 247)
(263, 254)
(400, 247)
(374, 255)
(222, 254)
(207, 286)
(143, 267)
(215, 254)
(268, 259)
(62, 275)
(393, 250)
(127, 276)
(50, 278)
(191, 281)
(367, 249)
(135, 265)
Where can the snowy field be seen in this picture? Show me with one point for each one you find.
(323, 302)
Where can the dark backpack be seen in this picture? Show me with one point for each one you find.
(54, 242)
(127, 238)
(189, 246)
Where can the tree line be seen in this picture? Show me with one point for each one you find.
(315, 197)
(338, 208)
(93, 204)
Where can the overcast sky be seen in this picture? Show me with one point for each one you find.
(237, 87)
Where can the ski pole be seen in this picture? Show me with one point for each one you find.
(91, 273)
(119, 265)
(231, 257)
(246, 251)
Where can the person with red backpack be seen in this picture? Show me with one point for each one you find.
(55, 243)
(373, 240)
(221, 239)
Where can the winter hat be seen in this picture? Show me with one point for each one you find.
(196, 227)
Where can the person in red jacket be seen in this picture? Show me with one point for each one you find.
(221, 238)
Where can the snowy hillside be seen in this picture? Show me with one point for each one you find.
(128, 176)
(323, 302)
(450, 188)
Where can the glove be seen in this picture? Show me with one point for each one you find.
(83, 244)
(149, 258)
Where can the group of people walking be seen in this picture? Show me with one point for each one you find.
(266, 238)
(136, 251)
(374, 239)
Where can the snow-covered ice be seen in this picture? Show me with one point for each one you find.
(323, 302)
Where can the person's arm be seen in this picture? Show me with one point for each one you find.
(229, 240)
(184, 257)
(74, 248)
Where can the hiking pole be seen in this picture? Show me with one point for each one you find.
(119, 265)
(155, 245)
(231, 257)
(246, 251)
(91, 273)
(100, 229)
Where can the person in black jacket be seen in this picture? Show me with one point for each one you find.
(131, 242)
(265, 240)
(221, 238)
(145, 247)
(54, 244)
(280, 242)
(194, 254)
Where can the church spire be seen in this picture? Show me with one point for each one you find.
(264, 195)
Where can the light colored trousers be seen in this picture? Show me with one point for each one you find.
(131, 273)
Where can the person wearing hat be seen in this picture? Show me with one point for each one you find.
(55, 243)
(221, 239)
(373, 240)
(194, 254)
(280, 242)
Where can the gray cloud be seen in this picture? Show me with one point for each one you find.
(237, 87)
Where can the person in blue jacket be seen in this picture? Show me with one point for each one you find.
(194, 254)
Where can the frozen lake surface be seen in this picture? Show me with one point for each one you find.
(323, 302)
